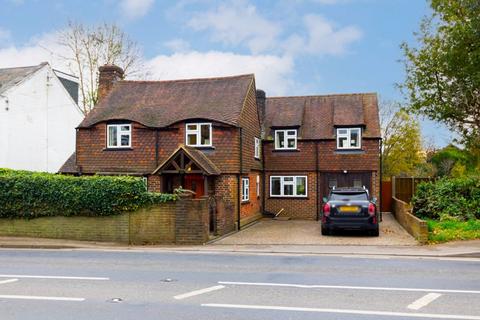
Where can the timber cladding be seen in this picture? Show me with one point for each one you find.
(181, 222)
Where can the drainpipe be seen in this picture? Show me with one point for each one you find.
(263, 177)
(317, 180)
(156, 147)
(381, 178)
(239, 178)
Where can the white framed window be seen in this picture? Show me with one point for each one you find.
(119, 135)
(198, 134)
(258, 186)
(286, 139)
(349, 138)
(257, 148)
(288, 186)
(245, 189)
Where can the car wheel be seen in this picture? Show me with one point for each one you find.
(325, 231)
(375, 232)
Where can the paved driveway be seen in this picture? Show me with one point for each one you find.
(301, 232)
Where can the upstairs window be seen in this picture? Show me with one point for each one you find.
(257, 148)
(349, 138)
(199, 134)
(119, 136)
(245, 189)
(286, 139)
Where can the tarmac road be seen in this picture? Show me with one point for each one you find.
(70, 284)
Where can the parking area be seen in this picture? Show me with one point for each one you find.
(301, 232)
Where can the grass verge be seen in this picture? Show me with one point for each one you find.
(444, 231)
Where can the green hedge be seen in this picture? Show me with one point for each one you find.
(448, 199)
(25, 194)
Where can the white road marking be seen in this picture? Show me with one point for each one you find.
(197, 292)
(266, 284)
(52, 277)
(8, 281)
(347, 311)
(41, 298)
(423, 301)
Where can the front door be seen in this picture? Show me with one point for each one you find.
(195, 182)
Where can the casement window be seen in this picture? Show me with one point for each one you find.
(288, 186)
(258, 186)
(198, 134)
(349, 138)
(119, 136)
(286, 139)
(257, 148)
(245, 189)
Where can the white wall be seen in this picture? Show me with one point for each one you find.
(38, 130)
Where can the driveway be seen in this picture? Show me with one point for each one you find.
(301, 232)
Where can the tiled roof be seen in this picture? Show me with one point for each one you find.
(10, 77)
(318, 115)
(69, 167)
(162, 103)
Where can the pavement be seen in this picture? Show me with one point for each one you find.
(92, 284)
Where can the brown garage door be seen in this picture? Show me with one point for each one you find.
(340, 179)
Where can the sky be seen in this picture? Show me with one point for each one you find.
(294, 47)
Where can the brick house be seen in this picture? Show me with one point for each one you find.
(222, 138)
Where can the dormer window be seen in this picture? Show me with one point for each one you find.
(119, 135)
(286, 139)
(349, 138)
(198, 134)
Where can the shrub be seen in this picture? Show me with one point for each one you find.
(26, 194)
(448, 199)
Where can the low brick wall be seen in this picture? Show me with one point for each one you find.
(181, 222)
(414, 225)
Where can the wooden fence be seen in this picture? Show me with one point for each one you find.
(403, 188)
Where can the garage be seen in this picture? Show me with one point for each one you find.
(340, 179)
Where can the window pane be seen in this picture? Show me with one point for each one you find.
(205, 134)
(291, 143)
(125, 140)
(275, 187)
(342, 131)
(291, 132)
(354, 138)
(288, 179)
(301, 186)
(288, 189)
(192, 127)
(125, 128)
(192, 139)
(112, 136)
(342, 142)
(280, 139)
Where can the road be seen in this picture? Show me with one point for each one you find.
(62, 284)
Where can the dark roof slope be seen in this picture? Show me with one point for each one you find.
(69, 167)
(318, 115)
(162, 103)
(10, 77)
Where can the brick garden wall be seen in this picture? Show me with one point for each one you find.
(182, 222)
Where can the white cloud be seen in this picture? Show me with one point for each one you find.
(322, 37)
(177, 45)
(4, 36)
(235, 23)
(272, 73)
(133, 9)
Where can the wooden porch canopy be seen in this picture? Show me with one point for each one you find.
(186, 160)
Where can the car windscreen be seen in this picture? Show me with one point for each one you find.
(349, 196)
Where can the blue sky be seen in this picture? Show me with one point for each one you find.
(294, 47)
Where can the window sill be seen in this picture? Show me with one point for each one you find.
(245, 202)
(294, 198)
(118, 149)
(258, 159)
(286, 150)
(349, 151)
(202, 147)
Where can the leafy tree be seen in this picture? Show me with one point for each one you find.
(443, 73)
(89, 47)
(452, 161)
(402, 152)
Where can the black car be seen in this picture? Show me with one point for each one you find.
(350, 209)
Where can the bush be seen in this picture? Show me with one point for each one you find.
(26, 194)
(448, 199)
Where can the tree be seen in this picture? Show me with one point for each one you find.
(402, 151)
(88, 48)
(443, 73)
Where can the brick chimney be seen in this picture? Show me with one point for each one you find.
(261, 101)
(107, 76)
